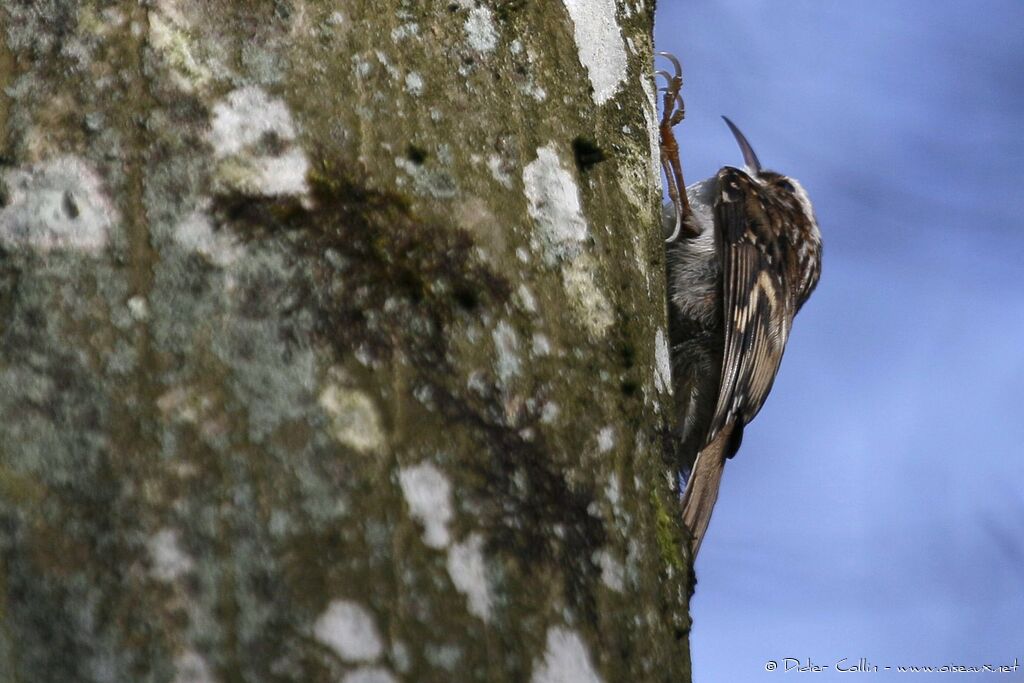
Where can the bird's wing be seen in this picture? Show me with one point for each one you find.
(755, 301)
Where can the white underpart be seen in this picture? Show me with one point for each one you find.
(600, 45)
(468, 571)
(553, 202)
(701, 199)
(566, 660)
(56, 204)
(700, 251)
(348, 629)
(428, 495)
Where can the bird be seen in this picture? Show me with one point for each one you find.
(743, 257)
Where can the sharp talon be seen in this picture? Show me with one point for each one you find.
(675, 231)
(675, 62)
(668, 80)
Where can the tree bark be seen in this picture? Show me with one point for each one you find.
(332, 345)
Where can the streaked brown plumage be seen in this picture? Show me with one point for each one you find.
(748, 259)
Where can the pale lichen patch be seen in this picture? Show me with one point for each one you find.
(55, 204)
(253, 136)
(650, 111)
(245, 117)
(599, 43)
(506, 346)
(195, 233)
(526, 298)
(553, 203)
(468, 571)
(188, 405)
(566, 659)
(433, 182)
(170, 35)
(496, 165)
(662, 365)
(170, 562)
(613, 491)
(606, 439)
(428, 494)
(369, 674)
(191, 667)
(138, 308)
(589, 303)
(279, 175)
(612, 571)
(349, 629)
(630, 178)
(354, 420)
(414, 83)
(540, 345)
(407, 30)
(528, 87)
(479, 28)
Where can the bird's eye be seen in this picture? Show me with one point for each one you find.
(786, 185)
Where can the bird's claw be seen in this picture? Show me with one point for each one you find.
(675, 62)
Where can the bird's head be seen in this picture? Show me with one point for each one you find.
(789, 196)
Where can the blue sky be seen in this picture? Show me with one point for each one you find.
(876, 508)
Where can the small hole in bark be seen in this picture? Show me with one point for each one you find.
(587, 153)
(417, 155)
(70, 206)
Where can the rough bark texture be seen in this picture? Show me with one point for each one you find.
(332, 344)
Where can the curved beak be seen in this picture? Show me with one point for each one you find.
(749, 158)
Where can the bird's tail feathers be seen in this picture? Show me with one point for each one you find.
(702, 487)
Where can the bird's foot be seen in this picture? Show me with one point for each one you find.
(673, 111)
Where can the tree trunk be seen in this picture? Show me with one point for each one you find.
(332, 345)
